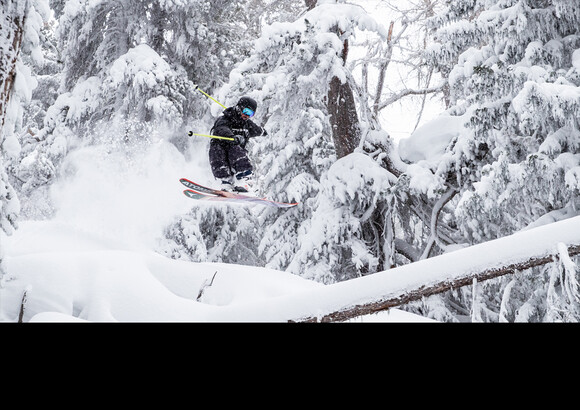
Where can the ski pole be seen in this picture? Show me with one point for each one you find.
(209, 96)
(190, 133)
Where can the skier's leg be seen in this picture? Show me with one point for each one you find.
(243, 169)
(239, 160)
(218, 160)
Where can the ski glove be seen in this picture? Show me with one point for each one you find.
(239, 139)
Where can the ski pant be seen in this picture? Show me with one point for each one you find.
(228, 159)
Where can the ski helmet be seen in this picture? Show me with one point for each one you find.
(247, 102)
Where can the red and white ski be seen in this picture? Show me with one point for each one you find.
(200, 192)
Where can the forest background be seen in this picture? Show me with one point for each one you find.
(115, 78)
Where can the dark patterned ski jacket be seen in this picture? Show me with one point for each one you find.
(231, 123)
(227, 158)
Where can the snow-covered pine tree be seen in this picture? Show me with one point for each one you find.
(12, 17)
(129, 65)
(512, 67)
(371, 203)
(290, 72)
(117, 69)
(214, 234)
(513, 71)
(20, 25)
(20, 48)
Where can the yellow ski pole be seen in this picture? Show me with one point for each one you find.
(190, 133)
(209, 96)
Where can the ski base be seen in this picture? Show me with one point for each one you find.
(202, 193)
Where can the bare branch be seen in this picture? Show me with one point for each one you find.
(410, 91)
(434, 238)
(383, 69)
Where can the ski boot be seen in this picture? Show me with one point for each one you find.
(244, 183)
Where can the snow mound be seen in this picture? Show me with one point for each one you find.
(428, 142)
(67, 274)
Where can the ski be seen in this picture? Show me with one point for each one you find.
(203, 193)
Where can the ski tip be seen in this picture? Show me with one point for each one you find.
(191, 194)
(196, 191)
(195, 195)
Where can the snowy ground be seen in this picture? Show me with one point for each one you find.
(73, 275)
(93, 261)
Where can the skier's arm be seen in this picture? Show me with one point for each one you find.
(222, 128)
(256, 130)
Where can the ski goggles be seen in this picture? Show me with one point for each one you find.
(248, 112)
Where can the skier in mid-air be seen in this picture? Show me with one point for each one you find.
(229, 159)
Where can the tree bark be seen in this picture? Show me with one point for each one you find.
(310, 4)
(11, 28)
(343, 117)
(344, 120)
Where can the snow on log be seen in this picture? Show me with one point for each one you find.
(408, 283)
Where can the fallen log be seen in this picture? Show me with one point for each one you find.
(412, 282)
(426, 291)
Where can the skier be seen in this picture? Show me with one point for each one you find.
(229, 159)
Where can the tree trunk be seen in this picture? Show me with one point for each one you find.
(310, 4)
(12, 29)
(344, 120)
(343, 117)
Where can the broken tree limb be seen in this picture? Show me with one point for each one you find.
(206, 283)
(22, 307)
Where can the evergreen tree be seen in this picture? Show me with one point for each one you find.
(512, 71)
(20, 26)
(129, 70)
(513, 74)
(308, 56)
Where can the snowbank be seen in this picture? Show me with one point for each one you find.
(83, 277)
(71, 275)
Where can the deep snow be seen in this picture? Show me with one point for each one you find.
(69, 274)
(73, 275)
(93, 261)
